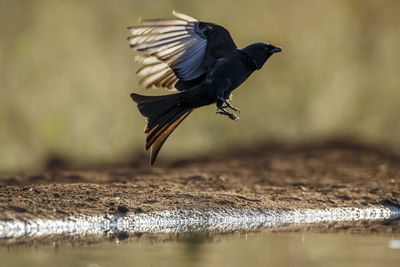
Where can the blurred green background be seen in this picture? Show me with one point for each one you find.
(66, 72)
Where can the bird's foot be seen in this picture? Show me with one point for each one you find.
(223, 111)
(228, 105)
(231, 107)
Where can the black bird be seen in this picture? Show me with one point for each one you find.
(200, 60)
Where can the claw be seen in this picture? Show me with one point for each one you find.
(226, 113)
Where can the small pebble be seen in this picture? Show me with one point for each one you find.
(122, 208)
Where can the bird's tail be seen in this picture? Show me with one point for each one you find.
(163, 116)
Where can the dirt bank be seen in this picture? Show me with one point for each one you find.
(271, 176)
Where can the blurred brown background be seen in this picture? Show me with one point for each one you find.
(66, 72)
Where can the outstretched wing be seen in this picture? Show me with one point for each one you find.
(178, 52)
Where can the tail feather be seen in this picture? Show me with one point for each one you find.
(156, 125)
(156, 146)
(154, 107)
(163, 116)
(160, 128)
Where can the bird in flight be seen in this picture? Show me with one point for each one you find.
(199, 60)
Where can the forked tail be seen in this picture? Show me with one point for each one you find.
(163, 116)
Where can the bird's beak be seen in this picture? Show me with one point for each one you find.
(276, 50)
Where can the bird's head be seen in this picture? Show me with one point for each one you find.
(260, 52)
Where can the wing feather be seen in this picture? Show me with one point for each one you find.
(149, 69)
(176, 49)
(146, 60)
(169, 43)
(172, 44)
(141, 30)
(135, 41)
(183, 16)
(148, 81)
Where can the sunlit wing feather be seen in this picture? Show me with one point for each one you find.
(174, 50)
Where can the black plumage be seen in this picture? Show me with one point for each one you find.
(200, 60)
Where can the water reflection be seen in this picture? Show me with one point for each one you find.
(207, 249)
(194, 245)
(176, 221)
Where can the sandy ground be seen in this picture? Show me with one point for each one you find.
(271, 176)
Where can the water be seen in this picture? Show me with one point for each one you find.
(176, 221)
(205, 249)
(320, 237)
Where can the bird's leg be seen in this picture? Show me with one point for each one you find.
(228, 105)
(221, 110)
(222, 94)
